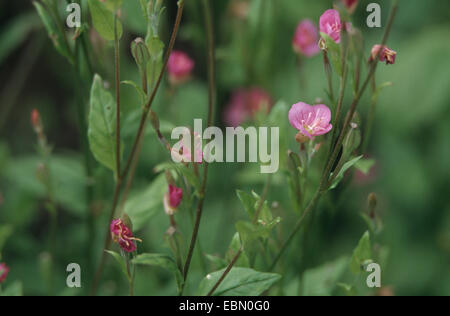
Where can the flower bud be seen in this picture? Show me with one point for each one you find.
(36, 120)
(352, 139)
(140, 53)
(372, 201)
(179, 67)
(350, 5)
(172, 199)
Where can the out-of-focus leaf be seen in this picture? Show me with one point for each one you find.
(143, 205)
(238, 282)
(15, 289)
(361, 254)
(5, 232)
(321, 281)
(102, 125)
(68, 180)
(163, 261)
(53, 32)
(15, 32)
(341, 173)
(250, 232)
(121, 261)
(216, 261)
(103, 20)
(364, 165)
(347, 289)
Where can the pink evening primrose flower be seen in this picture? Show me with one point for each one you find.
(122, 235)
(330, 24)
(172, 199)
(179, 67)
(350, 5)
(306, 38)
(246, 104)
(4, 270)
(310, 120)
(386, 55)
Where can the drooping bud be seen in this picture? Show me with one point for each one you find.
(172, 199)
(140, 53)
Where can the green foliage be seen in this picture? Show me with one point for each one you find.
(121, 261)
(238, 282)
(322, 281)
(103, 19)
(362, 254)
(102, 128)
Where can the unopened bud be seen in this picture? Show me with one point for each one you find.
(140, 53)
(372, 201)
(36, 120)
(352, 139)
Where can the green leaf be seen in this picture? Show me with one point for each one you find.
(53, 32)
(163, 261)
(235, 246)
(321, 281)
(113, 5)
(364, 165)
(361, 254)
(250, 232)
(102, 125)
(138, 89)
(103, 20)
(121, 261)
(341, 173)
(248, 201)
(144, 204)
(238, 282)
(334, 51)
(5, 232)
(190, 175)
(216, 261)
(15, 289)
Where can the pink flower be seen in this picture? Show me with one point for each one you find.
(310, 120)
(4, 270)
(172, 199)
(305, 41)
(350, 5)
(122, 235)
(386, 55)
(330, 24)
(175, 196)
(245, 104)
(179, 67)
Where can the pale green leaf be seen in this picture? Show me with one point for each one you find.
(103, 20)
(361, 254)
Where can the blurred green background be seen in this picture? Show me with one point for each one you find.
(410, 144)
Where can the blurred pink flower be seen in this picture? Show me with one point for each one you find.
(386, 55)
(245, 104)
(350, 4)
(310, 120)
(4, 270)
(330, 24)
(175, 196)
(179, 67)
(122, 235)
(306, 38)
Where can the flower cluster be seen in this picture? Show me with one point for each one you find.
(4, 270)
(245, 104)
(122, 235)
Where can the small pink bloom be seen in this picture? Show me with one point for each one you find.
(175, 196)
(330, 24)
(122, 235)
(310, 120)
(4, 270)
(350, 5)
(306, 38)
(245, 104)
(179, 67)
(386, 55)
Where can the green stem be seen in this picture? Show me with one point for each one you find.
(211, 97)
